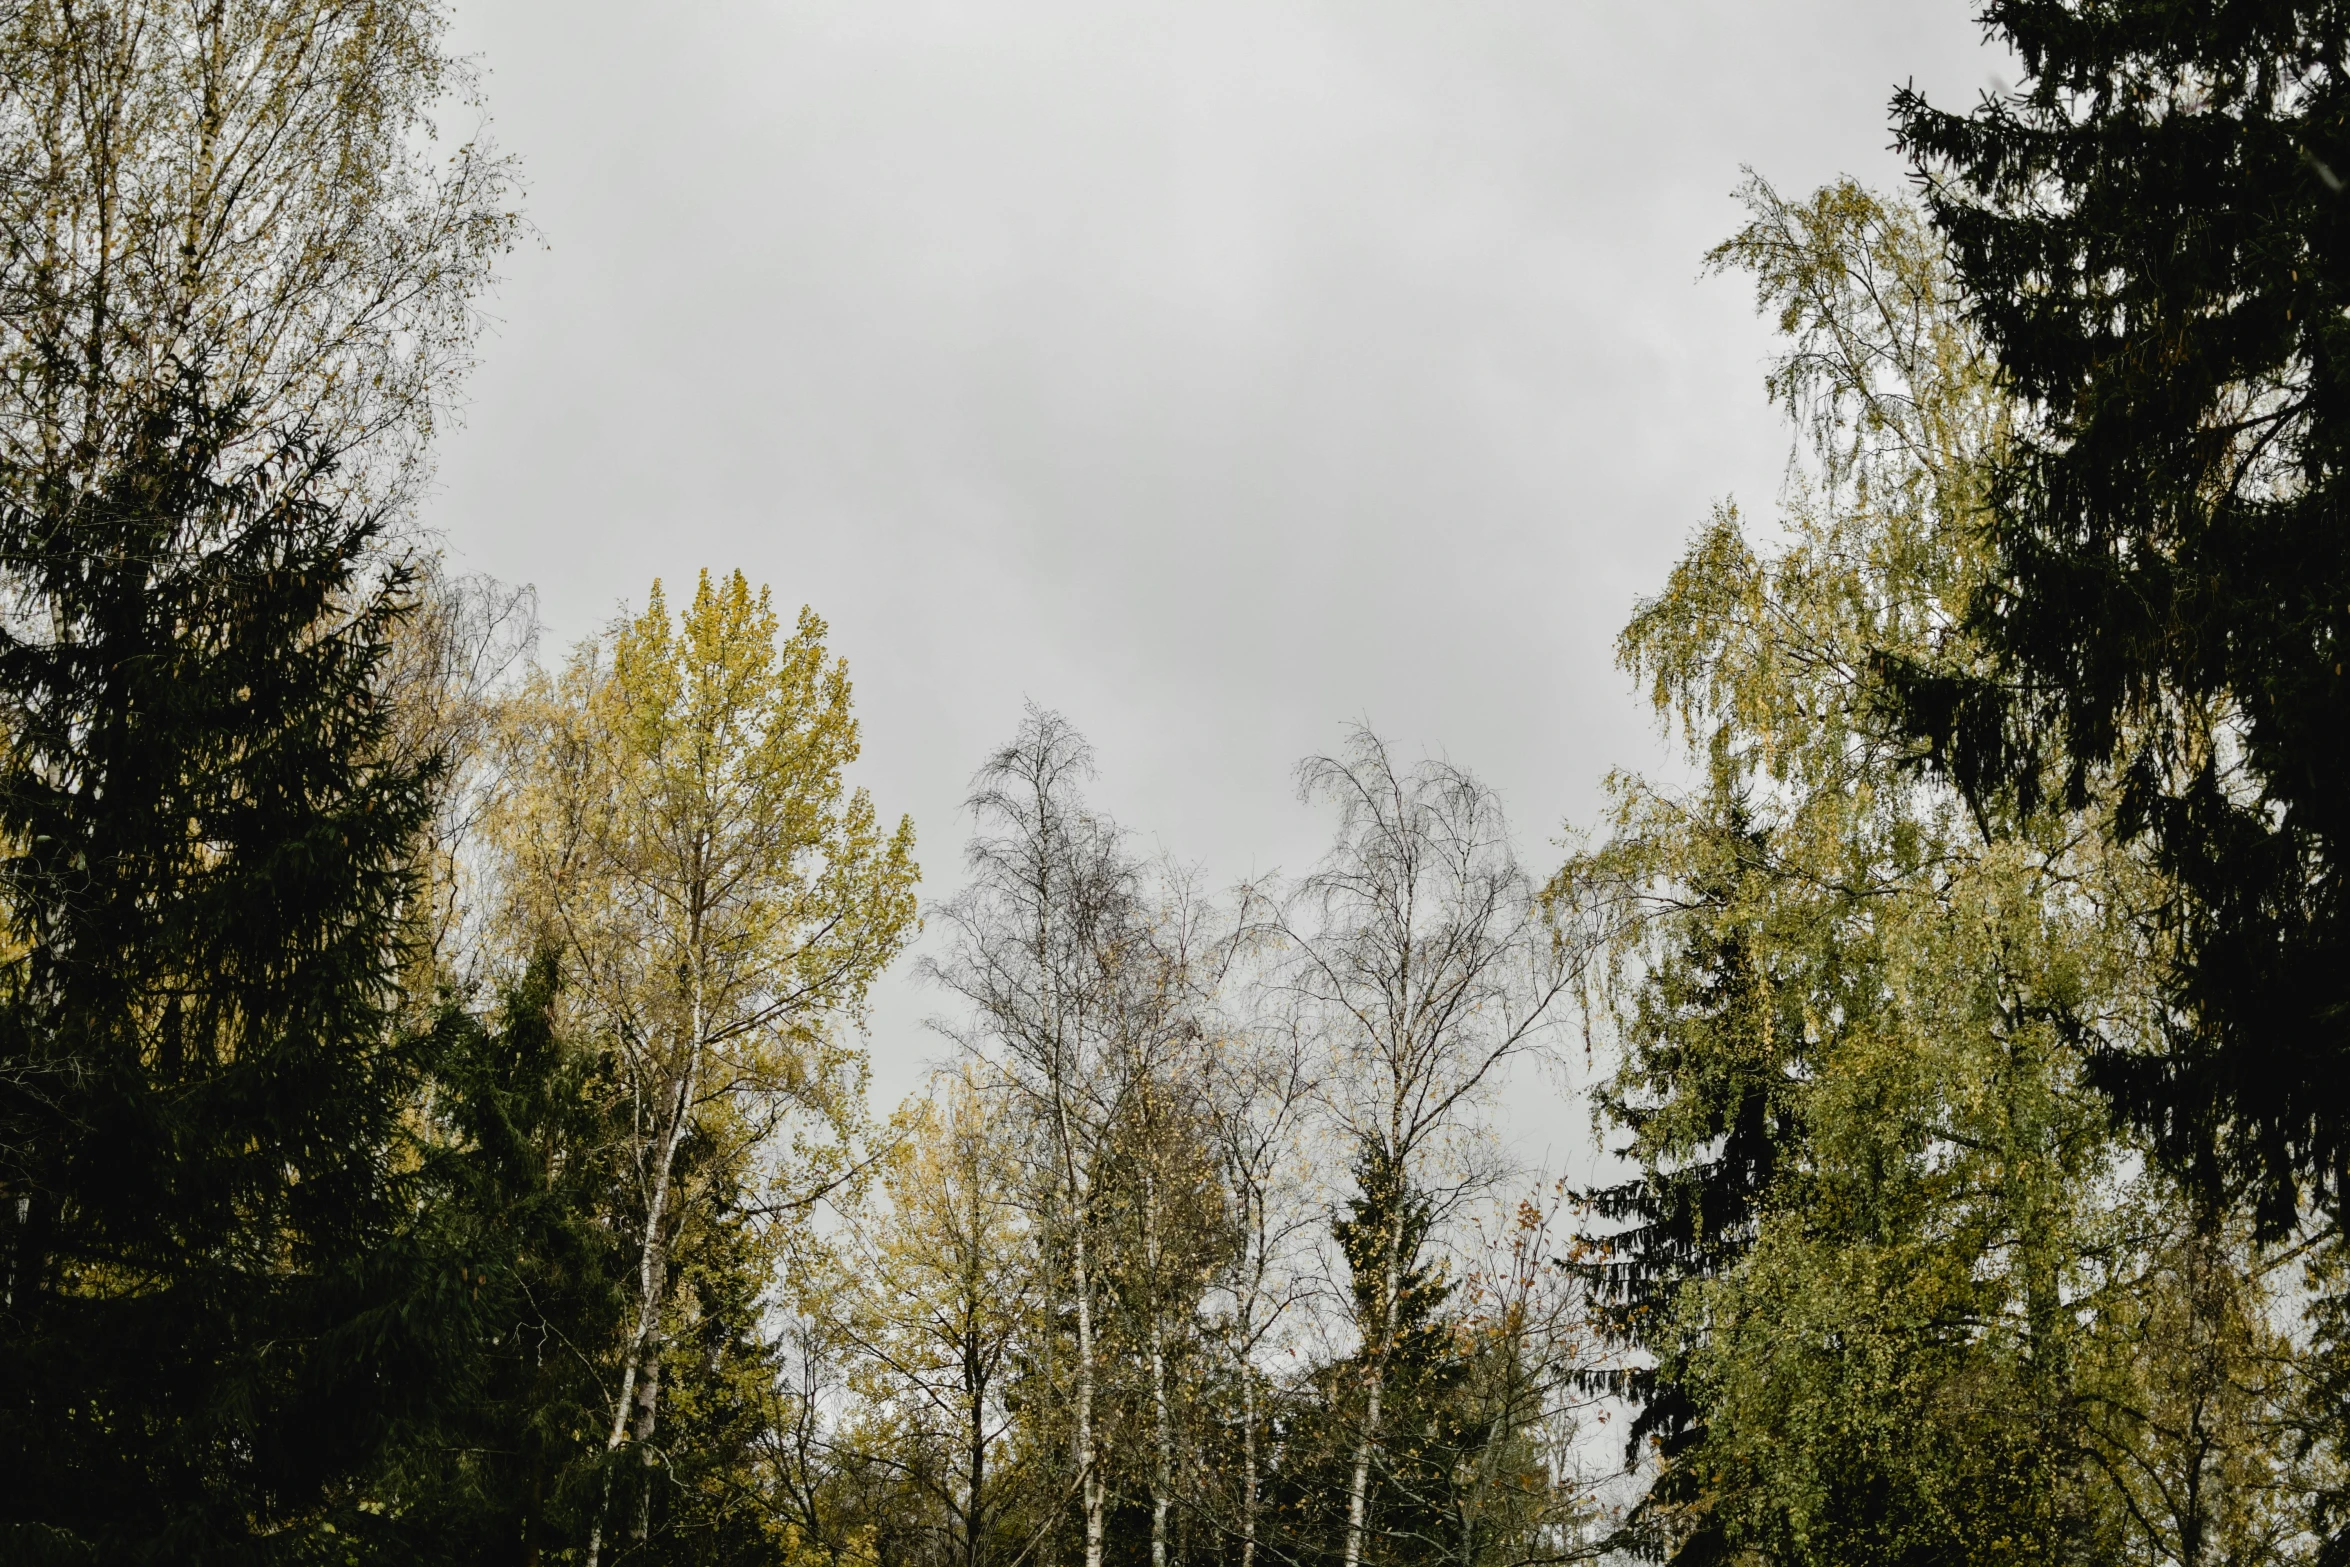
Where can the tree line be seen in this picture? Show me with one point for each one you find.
(433, 1114)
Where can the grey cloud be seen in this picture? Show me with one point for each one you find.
(1214, 372)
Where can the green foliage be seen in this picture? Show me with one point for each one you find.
(525, 1199)
(703, 1479)
(1424, 1427)
(236, 285)
(1878, 1241)
(1709, 1093)
(2014, 757)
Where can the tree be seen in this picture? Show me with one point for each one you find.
(1522, 1489)
(1260, 1093)
(1163, 1194)
(1896, 1267)
(1409, 1368)
(678, 826)
(205, 880)
(943, 1302)
(519, 1180)
(454, 654)
(1479, 1402)
(238, 204)
(1039, 937)
(233, 290)
(2193, 1391)
(2151, 235)
(1427, 964)
(706, 1501)
(1714, 1050)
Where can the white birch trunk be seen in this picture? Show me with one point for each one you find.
(1162, 1472)
(652, 1276)
(1359, 1483)
(1248, 1457)
(1162, 1432)
(1089, 1474)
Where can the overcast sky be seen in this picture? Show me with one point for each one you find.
(1215, 372)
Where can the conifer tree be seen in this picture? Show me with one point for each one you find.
(234, 287)
(1707, 1094)
(1420, 1365)
(2153, 235)
(521, 1173)
(210, 1317)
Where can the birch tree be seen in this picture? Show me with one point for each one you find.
(1426, 961)
(461, 646)
(679, 825)
(1261, 1092)
(1170, 1222)
(239, 203)
(1037, 942)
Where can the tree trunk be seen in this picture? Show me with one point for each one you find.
(1162, 1464)
(534, 1510)
(1075, 1185)
(975, 1458)
(1162, 1429)
(1089, 1476)
(1375, 1358)
(22, 1252)
(648, 1403)
(1248, 1458)
(652, 1286)
(1359, 1483)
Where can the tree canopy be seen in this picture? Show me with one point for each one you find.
(433, 1083)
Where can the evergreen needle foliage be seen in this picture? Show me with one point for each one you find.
(2154, 239)
(212, 1304)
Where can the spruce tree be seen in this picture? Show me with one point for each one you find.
(1708, 1093)
(1416, 1467)
(520, 1183)
(2154, 233)
(213, 1318)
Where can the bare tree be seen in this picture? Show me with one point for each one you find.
(1039, 937)
(1426, 961)
(1086, 974)
(452, 657)
(1262, 1087)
